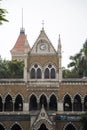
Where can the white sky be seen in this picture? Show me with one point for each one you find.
(65, 17)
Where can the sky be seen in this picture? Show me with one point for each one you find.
(65, 17)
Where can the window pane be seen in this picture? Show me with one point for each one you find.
(53, 73)
(32, 74)
(39, 75)
(47, 73)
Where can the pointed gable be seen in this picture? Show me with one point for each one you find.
(43, 116)
(43, 45)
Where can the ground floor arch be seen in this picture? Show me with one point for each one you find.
(43, 127)
(70, 126)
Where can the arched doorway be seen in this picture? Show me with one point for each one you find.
(18, 105)
(77, 105)
(70, 127)
(53, 103)
(16, 127)
(8, 105)
(85, 103)
(1, 127)
(33, 103)
(43, 101)
(43, 127)
(67, 105)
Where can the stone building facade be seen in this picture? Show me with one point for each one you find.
(42, 100)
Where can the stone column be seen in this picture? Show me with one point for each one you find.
(26, 107)
(82, 104)
(59, 106)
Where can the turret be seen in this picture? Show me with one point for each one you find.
(26, 50)
(59, 51)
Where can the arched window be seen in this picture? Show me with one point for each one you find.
(18, 105)
(46, 73)
(77, 105)
(1, 127)
(53, 103)
(8, 106)
(33, 103)
(43, 127)
(16, 127)
(52, 73)
(85, 103)
(43, 101)
(70, 127)
(67, 105)
(1, 104)
(35, 72)
(32, 73)
(39, 74)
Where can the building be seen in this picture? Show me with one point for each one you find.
(42, 100)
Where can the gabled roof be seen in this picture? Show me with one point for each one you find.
(20, 43)
(43, 116)
(42, 38)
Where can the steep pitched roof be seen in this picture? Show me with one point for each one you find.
(20, 43)
(43, 38)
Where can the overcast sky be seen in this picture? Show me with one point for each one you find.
(65, 17)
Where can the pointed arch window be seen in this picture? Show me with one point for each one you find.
(43, 101)
(67, 104)
(77, 105)
(8, 106)
(33, 103)
(53, 103)
(50, 72)
(32, 74)
(39, 74)
(47, 73)
(35, 72)
(16, 127)
(18, 105)
(1, 104)
(85, 103)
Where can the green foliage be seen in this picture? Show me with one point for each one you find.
(11, 69)
(84, 121)
(3, 15)
(78, 65)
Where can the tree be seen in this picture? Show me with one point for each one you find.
(78, 64)
(84, 121)
(15, 69)
(11, 69)
(3, 15)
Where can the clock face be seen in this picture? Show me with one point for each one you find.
(43, 46)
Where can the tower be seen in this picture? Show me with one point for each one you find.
(18, 50)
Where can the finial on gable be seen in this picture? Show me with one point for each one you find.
(42, 24)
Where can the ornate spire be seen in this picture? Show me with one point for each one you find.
(22, 30)
(59, 45)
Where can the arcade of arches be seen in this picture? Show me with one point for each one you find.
(69, 104)
(42, 127)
